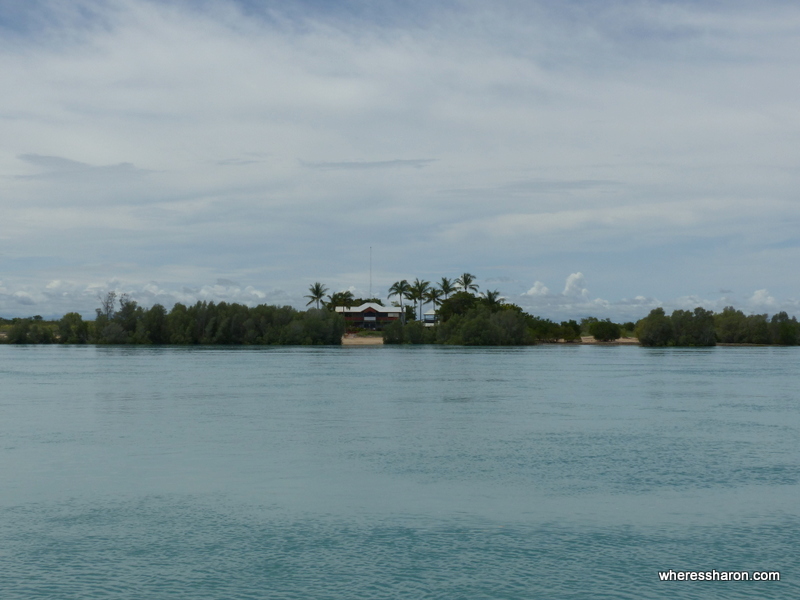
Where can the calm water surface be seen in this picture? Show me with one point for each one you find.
(349, 473)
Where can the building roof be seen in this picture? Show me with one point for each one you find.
(368, 305)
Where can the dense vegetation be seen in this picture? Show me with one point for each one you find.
(704, 328)
(202, 323)
(470, 320)
(34, 330)
(465, 317)
(603, 331)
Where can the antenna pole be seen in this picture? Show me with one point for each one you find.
(370, 271)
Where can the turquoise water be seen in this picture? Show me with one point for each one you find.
(348, 473)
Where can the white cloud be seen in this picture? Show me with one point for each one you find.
(573, 302)
(575, 286)
(762, 299)
(538, 289)
(188, 143)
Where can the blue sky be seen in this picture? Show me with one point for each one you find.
(581, 157)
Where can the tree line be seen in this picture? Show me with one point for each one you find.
(469, 320)
(465, 317)
(120, 320)
(703, 327)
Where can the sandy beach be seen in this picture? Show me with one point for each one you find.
(352, 340)
(587, 339)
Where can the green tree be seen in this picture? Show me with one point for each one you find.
(316, 293)
(457, 304)
(784, 330)
(693, 328)
(571, 330)
(605, 331)
(18, 334)
(465, 282)
(586, 323)
(109, 326)
(416, 333)
(72, 329)
(128, 314)
(492, 298)
(154, 324)
(113, 333)
(447, 287)
(40, 332)
(340, 299)
(393, 333)
(655, 329)
(180, 325)
(108, 305)
(758, 329)
(408, 314)
(731, 326)
(30, 331)
(400, 289)
(481, 326)
(434, 296)
(546, 330)
(510, 328)
(320, 327)
(418, 292)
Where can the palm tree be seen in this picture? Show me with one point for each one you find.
(340, 299)
(400, 289)
(417, 293)
(465, 283)
(317, 293)
(447, 287)
(434, 295)
(492, 298)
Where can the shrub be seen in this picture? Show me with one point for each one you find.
(784, 331)
(693, 328)
(655, 329)
(393, 333)
(72, 329)
(604, 331)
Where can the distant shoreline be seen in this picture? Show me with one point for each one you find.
(624, 341)
(352, 339)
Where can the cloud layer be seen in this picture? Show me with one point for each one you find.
(649, 145)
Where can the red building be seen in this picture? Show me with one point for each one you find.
(369, 315)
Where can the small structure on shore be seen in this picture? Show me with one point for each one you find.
(369, 315)
(430, 318)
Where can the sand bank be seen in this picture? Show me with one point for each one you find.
(352, 340)
(587, 339)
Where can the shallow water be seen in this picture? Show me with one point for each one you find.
(387, 472)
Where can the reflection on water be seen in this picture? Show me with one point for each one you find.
(550, 471)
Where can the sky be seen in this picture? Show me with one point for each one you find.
(581, 157)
